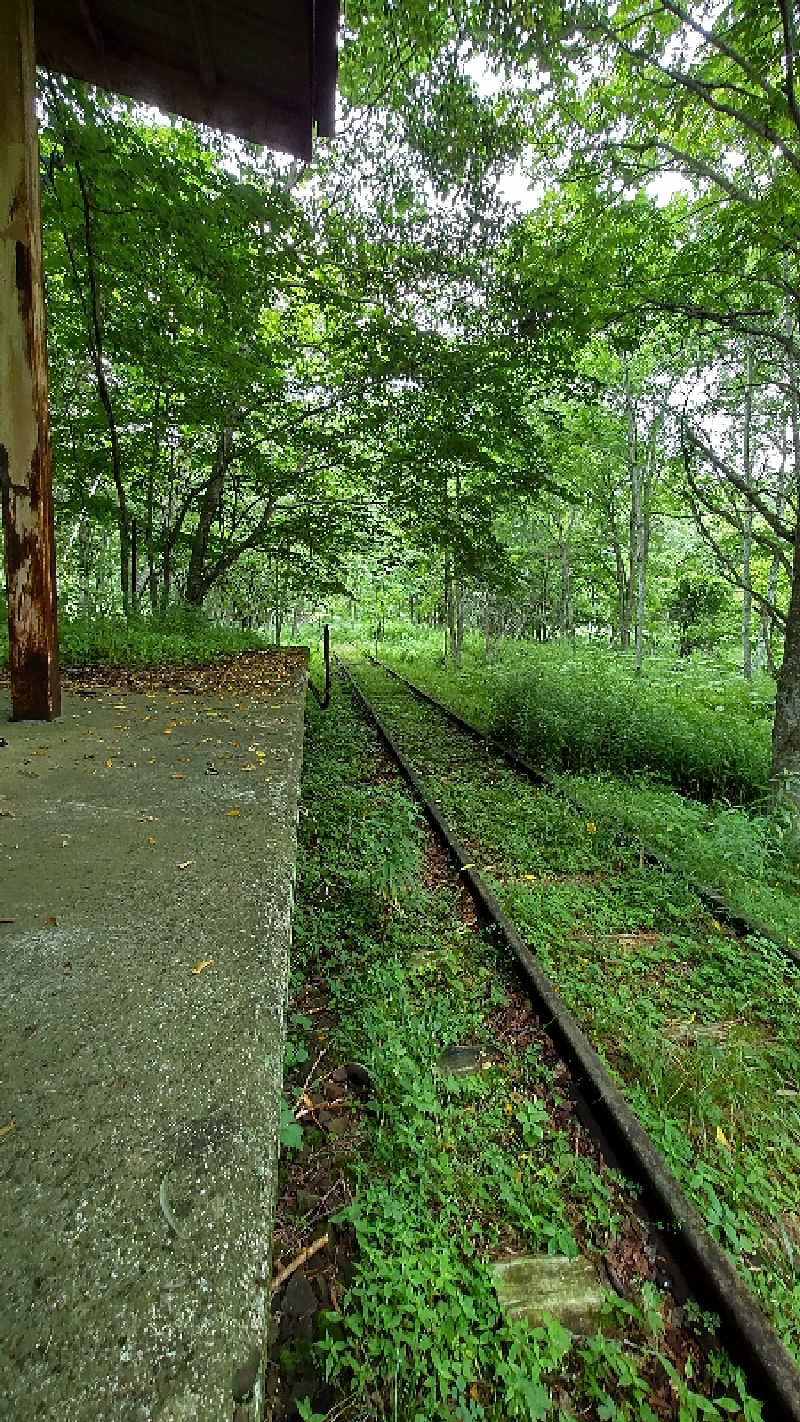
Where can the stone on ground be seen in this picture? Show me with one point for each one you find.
(530, 1286)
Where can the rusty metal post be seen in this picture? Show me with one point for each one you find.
(25, 472)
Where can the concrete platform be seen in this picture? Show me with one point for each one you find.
(147, 851)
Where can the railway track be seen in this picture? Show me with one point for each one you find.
(743, 924)
(466, 793)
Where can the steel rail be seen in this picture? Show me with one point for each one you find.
(771, 1369)
(741, 923)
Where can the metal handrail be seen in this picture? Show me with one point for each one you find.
(324, 697)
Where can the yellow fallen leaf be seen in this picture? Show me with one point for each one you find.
(250, 766)
(177, 777)
(150, 839)
(531, 878)
(206, 963)
(186, 863)
(109, 763)
(722, 1139)
(232, 812)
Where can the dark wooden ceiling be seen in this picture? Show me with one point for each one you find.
(263, 69)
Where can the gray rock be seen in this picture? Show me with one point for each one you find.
(529, 1286)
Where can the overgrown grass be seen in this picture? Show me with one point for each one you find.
(590, 711)
(182, 634)
(701, 1027)
(691, 724)
(750, 858)
(749, 854)
(451, 1170)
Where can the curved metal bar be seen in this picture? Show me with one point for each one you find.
(324, 697)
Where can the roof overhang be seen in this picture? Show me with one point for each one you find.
(262, 69)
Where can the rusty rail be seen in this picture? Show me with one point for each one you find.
(771, 1369)
(741, 923)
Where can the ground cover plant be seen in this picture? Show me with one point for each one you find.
(585, 708)
(750, 854)
(699, 1026)
(450, 1172)
(181, 634)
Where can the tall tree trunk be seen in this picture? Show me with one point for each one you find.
(449, 609)
(643, 541)
(98, 358)
(277, 607)
(155, 449)
(566, 626)
(763, 653)
(747, 532)
(166, 560)
(196, 586)
(785, 768)
(637, 533)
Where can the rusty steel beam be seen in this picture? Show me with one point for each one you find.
(25, 472)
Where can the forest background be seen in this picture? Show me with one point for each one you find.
(379, 378)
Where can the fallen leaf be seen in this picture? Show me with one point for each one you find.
(722, 1139)
(232, 812)
(51, 918)
(150, 839)
(250, 766)
(186, 863)
(206, 963)
(177, 777)
(109, 763)
(9, 1126)
(146, 819)
(168, 730)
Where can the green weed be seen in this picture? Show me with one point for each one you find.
(452, 1170)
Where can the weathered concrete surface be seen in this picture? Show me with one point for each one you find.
(529, 1286)
(140, 838)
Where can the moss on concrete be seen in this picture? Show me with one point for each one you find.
(140, 838)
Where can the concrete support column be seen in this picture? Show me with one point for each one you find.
(25, 473)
